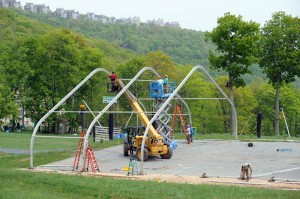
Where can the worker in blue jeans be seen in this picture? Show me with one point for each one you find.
(191, 133)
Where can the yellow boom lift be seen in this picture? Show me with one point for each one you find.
(154, 143)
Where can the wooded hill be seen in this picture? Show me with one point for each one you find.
(183, 46)
(41, 62)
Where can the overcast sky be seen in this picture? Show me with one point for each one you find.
(192, 14)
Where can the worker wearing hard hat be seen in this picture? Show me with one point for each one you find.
(166, 84)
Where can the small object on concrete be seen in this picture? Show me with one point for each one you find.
(204, 175)
(125, 168)
(174, 144)
(284, 150)
(246, 171)
(272, 179)
(250, 144)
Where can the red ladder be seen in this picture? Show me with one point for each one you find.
(178, 109)
(78, 151)
(90, 159)
(89, 156)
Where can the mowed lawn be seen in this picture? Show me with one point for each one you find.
(16, 183)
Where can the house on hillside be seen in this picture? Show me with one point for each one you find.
(10, 4)
(70, 14)
(41, 8)
(37, 8)
(59, 12)
(29, 7)
(90, 16)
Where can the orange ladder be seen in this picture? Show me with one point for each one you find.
(90, 159)
(178, 109)
(89, 156)
(78, 151)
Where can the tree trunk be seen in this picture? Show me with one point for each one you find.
(277, 112)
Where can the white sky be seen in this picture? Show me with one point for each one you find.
(191, 14)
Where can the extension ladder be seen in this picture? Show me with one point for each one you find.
(178, 109)
(89, 156)
(90, 159)
(78, 151)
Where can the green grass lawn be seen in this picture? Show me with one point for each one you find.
(15, 183)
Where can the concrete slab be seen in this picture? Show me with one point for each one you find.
(213, 157)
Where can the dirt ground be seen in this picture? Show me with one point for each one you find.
(191, 179)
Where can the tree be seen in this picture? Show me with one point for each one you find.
(290, 104)
(160, 62)
(60, 60)
(280, 54)
(236, 42)
(246, 105)
(14, 73)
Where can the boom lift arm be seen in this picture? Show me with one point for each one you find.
(155, 144)
(139, 111)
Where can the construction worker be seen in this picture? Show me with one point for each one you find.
(188, 136)
(113, 78)
(246, 171)
(191, 133)
(166, 84)
(160, 82)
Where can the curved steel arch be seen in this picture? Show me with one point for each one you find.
(56, 106)
(234, 129)
(117, 97)
(112, 102)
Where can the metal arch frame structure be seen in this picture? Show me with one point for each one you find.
(71, 93)
(117, 97)
(113, 101)
(234, 129)
(56, 106)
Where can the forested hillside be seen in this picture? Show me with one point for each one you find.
(13, 25)
(43, 57)
(183, 46)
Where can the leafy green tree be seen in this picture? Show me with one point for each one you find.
(264, 95)
(290, 105)
(246, 105)
(61, 60)
(236, 42)
(14, 73)
(280, 55)
(160, 62)
(7, 103)
(131, 67)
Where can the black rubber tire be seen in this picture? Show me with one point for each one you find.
(169, 154)
(138, 153)
(125, 149)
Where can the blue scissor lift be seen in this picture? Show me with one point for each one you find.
(161, 91)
